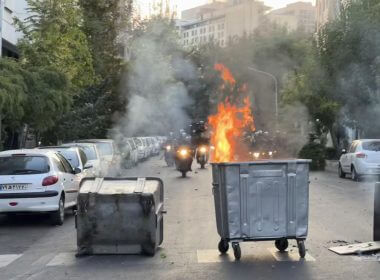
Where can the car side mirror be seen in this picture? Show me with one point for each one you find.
(344, 151)
(88, 166)
(77, 170)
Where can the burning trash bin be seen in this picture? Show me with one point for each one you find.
(261, 201)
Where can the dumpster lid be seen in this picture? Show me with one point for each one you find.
(109, 186)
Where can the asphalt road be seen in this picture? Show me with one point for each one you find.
(340, 210)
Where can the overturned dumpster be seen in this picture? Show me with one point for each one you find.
(261, 201)
(120, 216)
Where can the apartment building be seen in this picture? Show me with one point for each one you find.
(9, 9)
(220, 21)
(327, 10)
(298, 16)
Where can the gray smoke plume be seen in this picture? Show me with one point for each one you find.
(156, 93)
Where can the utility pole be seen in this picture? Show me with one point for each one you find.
(273, 77)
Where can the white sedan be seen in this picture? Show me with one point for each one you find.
(37, 181)
(362, 159)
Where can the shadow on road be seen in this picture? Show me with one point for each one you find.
(15, 220)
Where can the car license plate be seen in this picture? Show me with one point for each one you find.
(14, 187)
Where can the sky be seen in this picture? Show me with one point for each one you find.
(187, 4)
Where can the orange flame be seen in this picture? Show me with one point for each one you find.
(225, 74)
(229, 122)
(228, 125)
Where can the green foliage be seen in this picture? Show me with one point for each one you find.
(317, 153)
(47, 97)
(12, 90)
(53, 37)
(106, 24)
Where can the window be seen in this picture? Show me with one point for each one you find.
(105, 148)
(71, 156)
(353, 147)
(59, 164)
(371, 146)
(65, 163)
(89, 151)
(82, 156)
(130, 141)
(23, 165)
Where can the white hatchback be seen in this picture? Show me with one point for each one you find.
(37, 181)
(362, 159)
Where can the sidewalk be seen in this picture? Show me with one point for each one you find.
(331, 166)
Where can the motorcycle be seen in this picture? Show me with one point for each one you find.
(202, 155)
(183, 159)
(169, 157)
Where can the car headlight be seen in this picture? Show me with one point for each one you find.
(203, 150)
(270, 153)
(256, 155)
(183, 152)
(168, 148)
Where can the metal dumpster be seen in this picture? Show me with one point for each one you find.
(120, 216)
(263, 200)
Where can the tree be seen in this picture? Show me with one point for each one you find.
(106, 24)
(12, 94)
(349, 55)
(53, 37)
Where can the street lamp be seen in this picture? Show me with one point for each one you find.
(275, 86)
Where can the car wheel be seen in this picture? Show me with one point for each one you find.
(341, 173)
(58, 217)
(354, 174)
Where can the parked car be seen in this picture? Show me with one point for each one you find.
(143, 150)
(107, 151)
(156, 145)
(37, 181)
(134, 151)
(149, 145)
(76, 157)
(362, 159)
(92, 154)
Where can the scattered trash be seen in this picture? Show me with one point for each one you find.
(196, 172)
(163, 256)
(195, 189)
(340, 242)
(359, 248)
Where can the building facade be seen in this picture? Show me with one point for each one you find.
(10, 9)
(327, 10)
(299, 16)
(219, 22)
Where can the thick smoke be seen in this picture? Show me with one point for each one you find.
(157, 96)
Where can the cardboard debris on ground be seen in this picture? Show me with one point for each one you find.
(358, 248)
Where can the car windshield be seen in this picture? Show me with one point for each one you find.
(71, 156)
(89, 151)
(371, 146)
(105, 149)
(23, 165)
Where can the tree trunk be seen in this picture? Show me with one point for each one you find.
(334, 137)
(1, 140)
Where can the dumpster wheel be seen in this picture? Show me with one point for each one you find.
(223, 246)
(237, 250)
(301, 248)
(281, 244)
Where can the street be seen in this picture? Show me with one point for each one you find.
(340, 211)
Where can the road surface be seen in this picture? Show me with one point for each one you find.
(340, 211)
